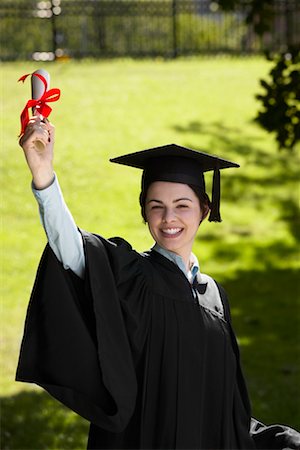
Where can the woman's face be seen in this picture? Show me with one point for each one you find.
(173, 215)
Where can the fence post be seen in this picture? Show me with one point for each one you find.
(174, 28)
(54, 29)
(289, 31)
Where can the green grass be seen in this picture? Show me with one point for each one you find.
(112, 107)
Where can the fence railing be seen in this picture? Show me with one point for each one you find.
(44, 29)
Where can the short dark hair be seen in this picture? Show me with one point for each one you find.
(204, 200)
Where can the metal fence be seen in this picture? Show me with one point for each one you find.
(44, 29)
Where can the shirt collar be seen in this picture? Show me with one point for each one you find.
(191, 274)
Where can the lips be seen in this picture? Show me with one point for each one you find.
(171, 232)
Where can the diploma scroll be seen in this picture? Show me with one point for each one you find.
(37, 91)
(40, 97)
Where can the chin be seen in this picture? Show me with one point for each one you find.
(169, 246)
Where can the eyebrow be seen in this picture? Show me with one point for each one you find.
(174, 201)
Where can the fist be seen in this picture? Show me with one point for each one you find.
(38, 134)
(38, 143)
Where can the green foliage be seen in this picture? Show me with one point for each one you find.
(22, 32)
(196, 34)
(281, 100)
(259, 13)
(118, 28)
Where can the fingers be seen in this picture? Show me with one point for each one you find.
(37, 123)
(32, 134)
(290, 438)
(38, 128)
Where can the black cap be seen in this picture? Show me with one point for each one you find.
(179, 165)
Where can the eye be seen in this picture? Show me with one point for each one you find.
(182, 206)
(156, 207)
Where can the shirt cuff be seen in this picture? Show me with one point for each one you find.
(49, 192)
(36, 189)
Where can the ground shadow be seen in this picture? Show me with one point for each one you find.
(34, 420)
(235, 141)
(231, 138)
(290, 214)
(265, 312)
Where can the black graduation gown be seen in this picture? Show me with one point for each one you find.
(132, 351)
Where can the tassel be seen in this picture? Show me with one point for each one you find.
(215, 215)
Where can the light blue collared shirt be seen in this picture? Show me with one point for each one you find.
(66, 241)
(191, 274)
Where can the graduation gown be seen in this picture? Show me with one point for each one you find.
(131, 350)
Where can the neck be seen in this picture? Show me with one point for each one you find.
(187, 262)
(186, 258)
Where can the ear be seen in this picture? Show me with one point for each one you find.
(205, 213)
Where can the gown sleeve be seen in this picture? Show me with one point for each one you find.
(80, 341)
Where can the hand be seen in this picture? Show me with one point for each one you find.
(290, 437)
(39, 157)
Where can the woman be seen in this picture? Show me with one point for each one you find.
(141, 345)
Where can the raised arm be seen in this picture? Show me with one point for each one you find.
(61, 230)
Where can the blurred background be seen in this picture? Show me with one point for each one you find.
(218, 76)
(49, 29)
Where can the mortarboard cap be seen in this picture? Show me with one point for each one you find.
(179, 165)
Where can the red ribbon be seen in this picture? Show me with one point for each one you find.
(40, 105)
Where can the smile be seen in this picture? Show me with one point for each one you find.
(171, 232)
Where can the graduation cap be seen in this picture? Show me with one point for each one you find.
(179, 165)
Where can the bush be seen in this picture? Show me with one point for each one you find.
(281, 100)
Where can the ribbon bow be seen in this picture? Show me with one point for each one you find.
(40, 104)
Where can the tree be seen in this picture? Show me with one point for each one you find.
(281, 100)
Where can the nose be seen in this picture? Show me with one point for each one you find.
(168, 215)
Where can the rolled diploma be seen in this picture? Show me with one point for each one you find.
(37, 90)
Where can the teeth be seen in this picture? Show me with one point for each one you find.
(171, 230)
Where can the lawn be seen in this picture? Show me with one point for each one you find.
(111, 107)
